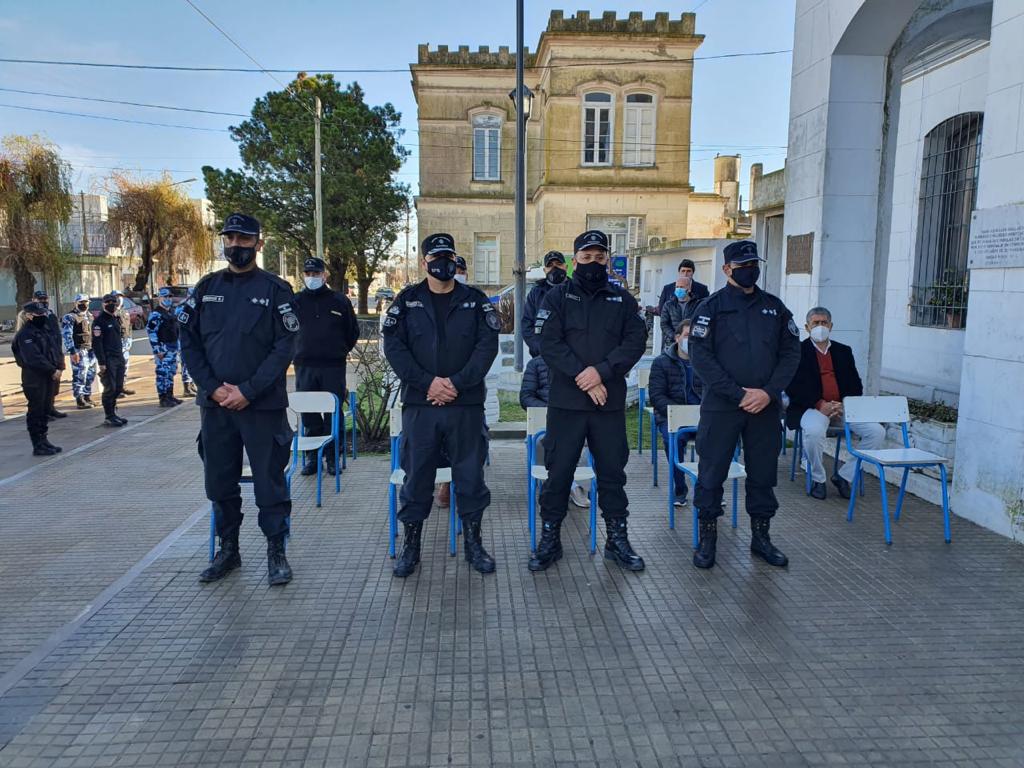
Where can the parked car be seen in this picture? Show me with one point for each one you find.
(385, 293)
(136, 314)
(179, 293)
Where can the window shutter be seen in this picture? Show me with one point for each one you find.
(479, 151)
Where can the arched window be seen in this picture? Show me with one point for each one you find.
(597, 128)
(638, 126)
(486, 148)
(949, 182)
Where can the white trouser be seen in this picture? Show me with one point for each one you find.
(815, 425)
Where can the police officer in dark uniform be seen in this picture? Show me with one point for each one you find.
(440, 337)
(39, 357)
(107, 341)
(554, 274)
(745, 347)
(328, 332)
(591, 334)
(238, 335)
(53, 328)
(461, 270)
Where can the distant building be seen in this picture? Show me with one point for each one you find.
(608, 142)
(766, 210)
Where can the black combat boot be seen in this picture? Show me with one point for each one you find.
(88, 401)
(278, 570)
(225, 561)
(761, 543)
(113, 420)
(165, 401)
(53, 413)
(126, 392)
(473, 543)
(174, 400)
(410, 557)
(704, 557)
(617, 547)
(39, 447)
(47, 444)
(82, 404)
(330, 464)
(549, 551)
(309, 463)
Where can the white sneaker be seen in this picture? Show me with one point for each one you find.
(680, 501)
(579, 496)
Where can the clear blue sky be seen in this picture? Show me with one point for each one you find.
(740, 102)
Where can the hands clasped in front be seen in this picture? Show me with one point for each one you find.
(589, 380)
(441, 391)
(229, 396)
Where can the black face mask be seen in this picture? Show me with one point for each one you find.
(592, 275)
(556, 276)
(82, 307)
(442, 269)
(39, 321)
(240, 255)
(111, 307)
(43, 303)
(747, 276)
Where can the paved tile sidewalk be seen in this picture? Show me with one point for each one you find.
(858, 654)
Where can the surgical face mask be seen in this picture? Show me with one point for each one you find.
(819, 333)
(746, 277)
(460, 279)
(684, 345)
(593, 274)
(442, 269)
(240, 255)
(556, 275)
(39, 320)
(313, 283)
(681, 293)
(82, 306)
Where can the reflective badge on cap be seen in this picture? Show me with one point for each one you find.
(291, 322)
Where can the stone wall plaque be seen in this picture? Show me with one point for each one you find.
(799, 254)
(997, 238)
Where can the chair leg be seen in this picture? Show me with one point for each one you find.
(671, 482)
(319, 473)
(593, 516)
(531, 505)
(945, 504)
(640, 429)
(392, 520)
(452, 523)
(796, 453)
(339, 456)
(835, 459)
(885, 505)
(735, 501)
(807, 469)
(903, 490)
(213, 533)
(858, 480)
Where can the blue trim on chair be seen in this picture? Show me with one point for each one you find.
(640, 421)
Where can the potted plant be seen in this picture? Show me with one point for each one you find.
(950, 295)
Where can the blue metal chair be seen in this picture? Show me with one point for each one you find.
(397, 478)
(684, 419)
(536, 426)
(316, 402)
(643, 381)
(799, 457)
(893, 410)
(245, 479)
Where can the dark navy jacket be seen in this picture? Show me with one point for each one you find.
(605, 329)
(107, 339)
(329, 328)
(411, 343)
(536, 388)
(36, 350)
(534, 300)
(672, 382)
(240, 328)
(739, 340)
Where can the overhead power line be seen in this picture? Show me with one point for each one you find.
(381, 70)
(115, 119)
(126, 103)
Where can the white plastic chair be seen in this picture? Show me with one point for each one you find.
(892, 410)
(536, 426)
(684, 419)
(316, 402)
(397, 479)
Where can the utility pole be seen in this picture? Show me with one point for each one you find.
(519, 270)
(317, 162)
(85, 236)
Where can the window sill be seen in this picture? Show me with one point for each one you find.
(487, 181)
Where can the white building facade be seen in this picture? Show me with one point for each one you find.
(904, 214)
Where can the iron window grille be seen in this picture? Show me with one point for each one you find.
(949, 183)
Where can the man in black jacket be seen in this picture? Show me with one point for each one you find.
(39, 356)
(107, 346)
(440, 337)
(238, 334)
(745, 347)
(328, 330)
(592, 333)
(554, 274)
(698, 291)
(53, 327)
(827, 373)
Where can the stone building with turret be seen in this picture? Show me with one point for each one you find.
(608, 141)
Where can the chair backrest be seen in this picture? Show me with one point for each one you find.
(680, 416)
(396, 422)
(313, 402)
(643, 378)
(891, 408)
(536, 420)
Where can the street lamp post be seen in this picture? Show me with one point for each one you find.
(522, 98)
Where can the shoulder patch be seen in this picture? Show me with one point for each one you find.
(284, 309)
(291, 322)
(394, 310)
(390, 321)
(699, 331)
(793, 329)
(493, 321)
(184, 316)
